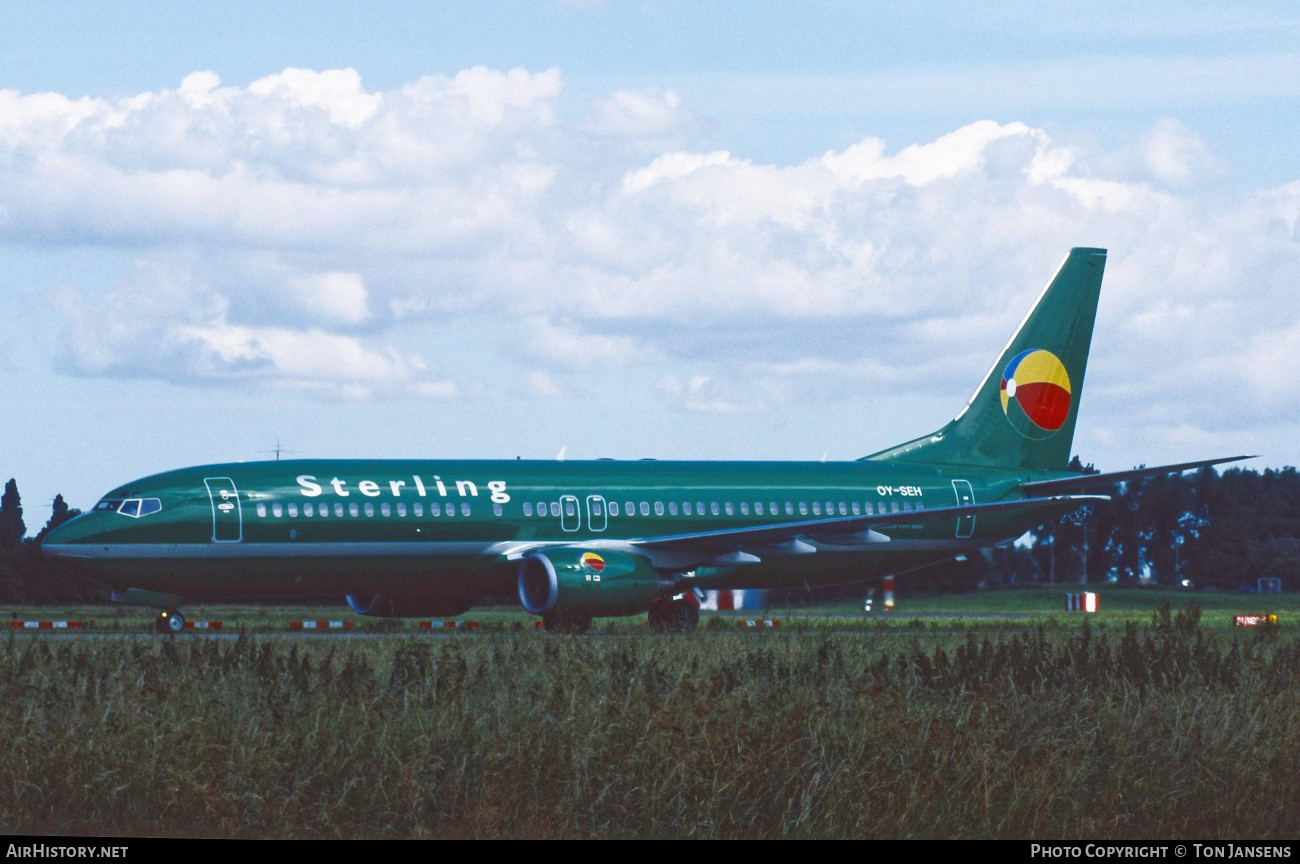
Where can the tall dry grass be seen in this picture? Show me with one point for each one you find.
(1159, 732)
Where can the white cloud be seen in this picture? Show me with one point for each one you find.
(636, 114)
(337, 92)
(335, 297)
(295, 232)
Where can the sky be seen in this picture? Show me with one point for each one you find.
(627, 229)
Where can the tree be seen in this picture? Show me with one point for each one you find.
(12, 528)
(61, 513)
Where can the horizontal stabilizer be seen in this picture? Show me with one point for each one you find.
(1084, 482)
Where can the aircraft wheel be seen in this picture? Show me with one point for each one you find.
(170, 621)
(673, 616)
(558, 623)
(660, 614)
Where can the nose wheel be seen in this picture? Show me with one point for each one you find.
(170, 621)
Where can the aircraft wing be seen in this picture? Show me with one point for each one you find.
(746, 545)
(1083, 482)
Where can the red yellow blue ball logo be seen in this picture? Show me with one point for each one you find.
(1036, 393)
(593, 561)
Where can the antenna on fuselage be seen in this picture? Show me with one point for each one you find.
(279, 448)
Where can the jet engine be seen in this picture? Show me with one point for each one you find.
(577, 580)
(409, 605)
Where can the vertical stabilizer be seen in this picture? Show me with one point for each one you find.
(1023, 413)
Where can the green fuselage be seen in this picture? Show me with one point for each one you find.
(310, 527)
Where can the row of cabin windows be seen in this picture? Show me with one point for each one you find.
(436, 508)
(729, 508)
(630, 508)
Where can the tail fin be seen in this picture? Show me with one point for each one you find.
(1022, 415)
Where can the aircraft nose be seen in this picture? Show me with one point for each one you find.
(66, 539)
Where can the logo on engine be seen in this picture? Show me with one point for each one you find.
(593, 561)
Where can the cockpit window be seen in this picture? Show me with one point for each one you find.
(108, 504)
(133, 507)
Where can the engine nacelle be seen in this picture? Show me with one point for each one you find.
(586, 581)
(409, 605)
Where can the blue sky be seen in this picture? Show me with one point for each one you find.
(690, 230)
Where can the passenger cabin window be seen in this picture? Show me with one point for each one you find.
(672, 508)
(338, 510)
(401, 509)
(370, 509)
(645, 508)
(435, 509)
(613, 508)
(744, 508)
(293, 510)
(528, 509)
(730, 508)
(659, 508)
(308, 509)
(353, 510)
(277, 510)
(713, 507)
(464, 508)
(555, 509)
(261, 510)
(418, 509)
(385, 509)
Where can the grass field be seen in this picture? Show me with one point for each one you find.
(1170, 729)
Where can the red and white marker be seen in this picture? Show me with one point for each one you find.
(45, 625)
(447, 624)
(321, 625)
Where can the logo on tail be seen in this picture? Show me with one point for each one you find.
(1035, 393)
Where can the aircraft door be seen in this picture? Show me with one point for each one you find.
(965, 497)
(597, 519)
(227, 517)
(570, 515)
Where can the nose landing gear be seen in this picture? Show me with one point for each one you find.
(170, 621)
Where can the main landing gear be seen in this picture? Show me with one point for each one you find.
(169, 621)
(673, 616)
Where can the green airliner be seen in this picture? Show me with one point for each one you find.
(575, 540)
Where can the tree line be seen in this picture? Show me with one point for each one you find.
(1207, 529)
(1215, 530)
